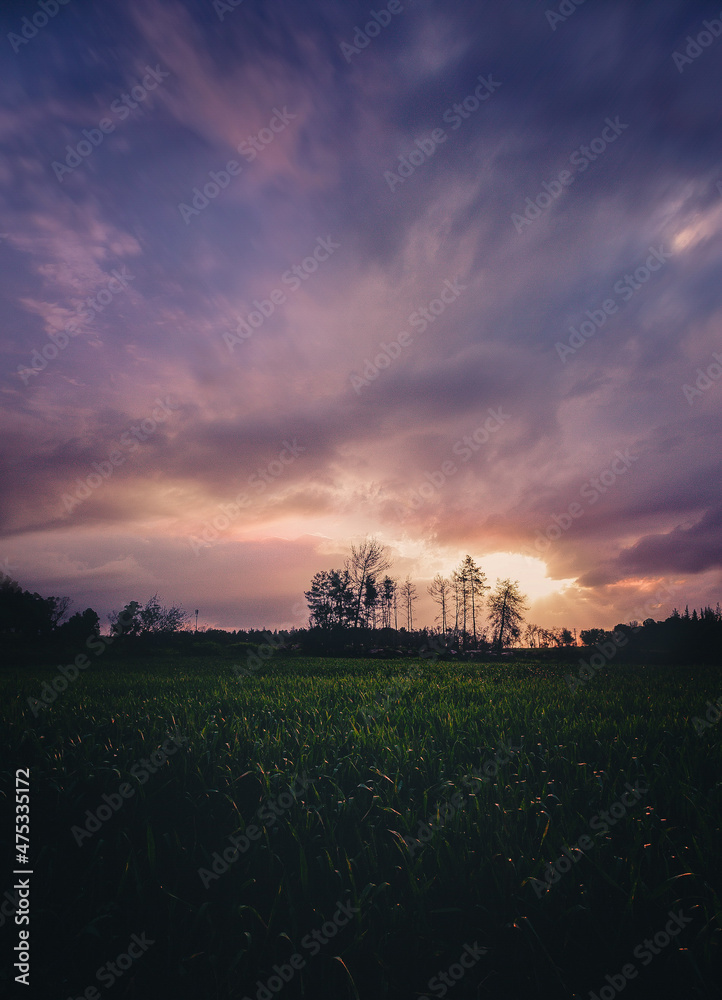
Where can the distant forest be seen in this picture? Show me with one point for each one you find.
(359, 610)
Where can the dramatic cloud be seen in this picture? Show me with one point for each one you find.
(444, 275)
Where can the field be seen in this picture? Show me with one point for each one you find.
(394, 826)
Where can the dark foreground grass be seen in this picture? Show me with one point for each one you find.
(381, 748)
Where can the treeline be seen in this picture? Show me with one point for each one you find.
(362, 595)
(680, 638)
(32, 629)
(361, 610)
(27, 617)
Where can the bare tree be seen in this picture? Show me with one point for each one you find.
(408, 596)
(59, 608)
(533, 635)
(555, 636)
(440, 590)
(367, 561)
(461, 597)
(546, 637)
(458, 583)
(149, 618)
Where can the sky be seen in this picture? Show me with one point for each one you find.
(278, 277)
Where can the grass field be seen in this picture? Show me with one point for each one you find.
(390, 819)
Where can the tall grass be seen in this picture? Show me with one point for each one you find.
(381, 758)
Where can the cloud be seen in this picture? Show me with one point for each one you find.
(322, 176)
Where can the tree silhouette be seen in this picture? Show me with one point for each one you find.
(388, 600)
(368, 560)
(79, 626)
(591, 636)
(28, 615)
(408, 596)
(371, 597)
(441, 590)
(506, 605)
(150, 618)
(331, 599)
(474, 586)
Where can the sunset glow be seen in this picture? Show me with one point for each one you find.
(362, 328)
